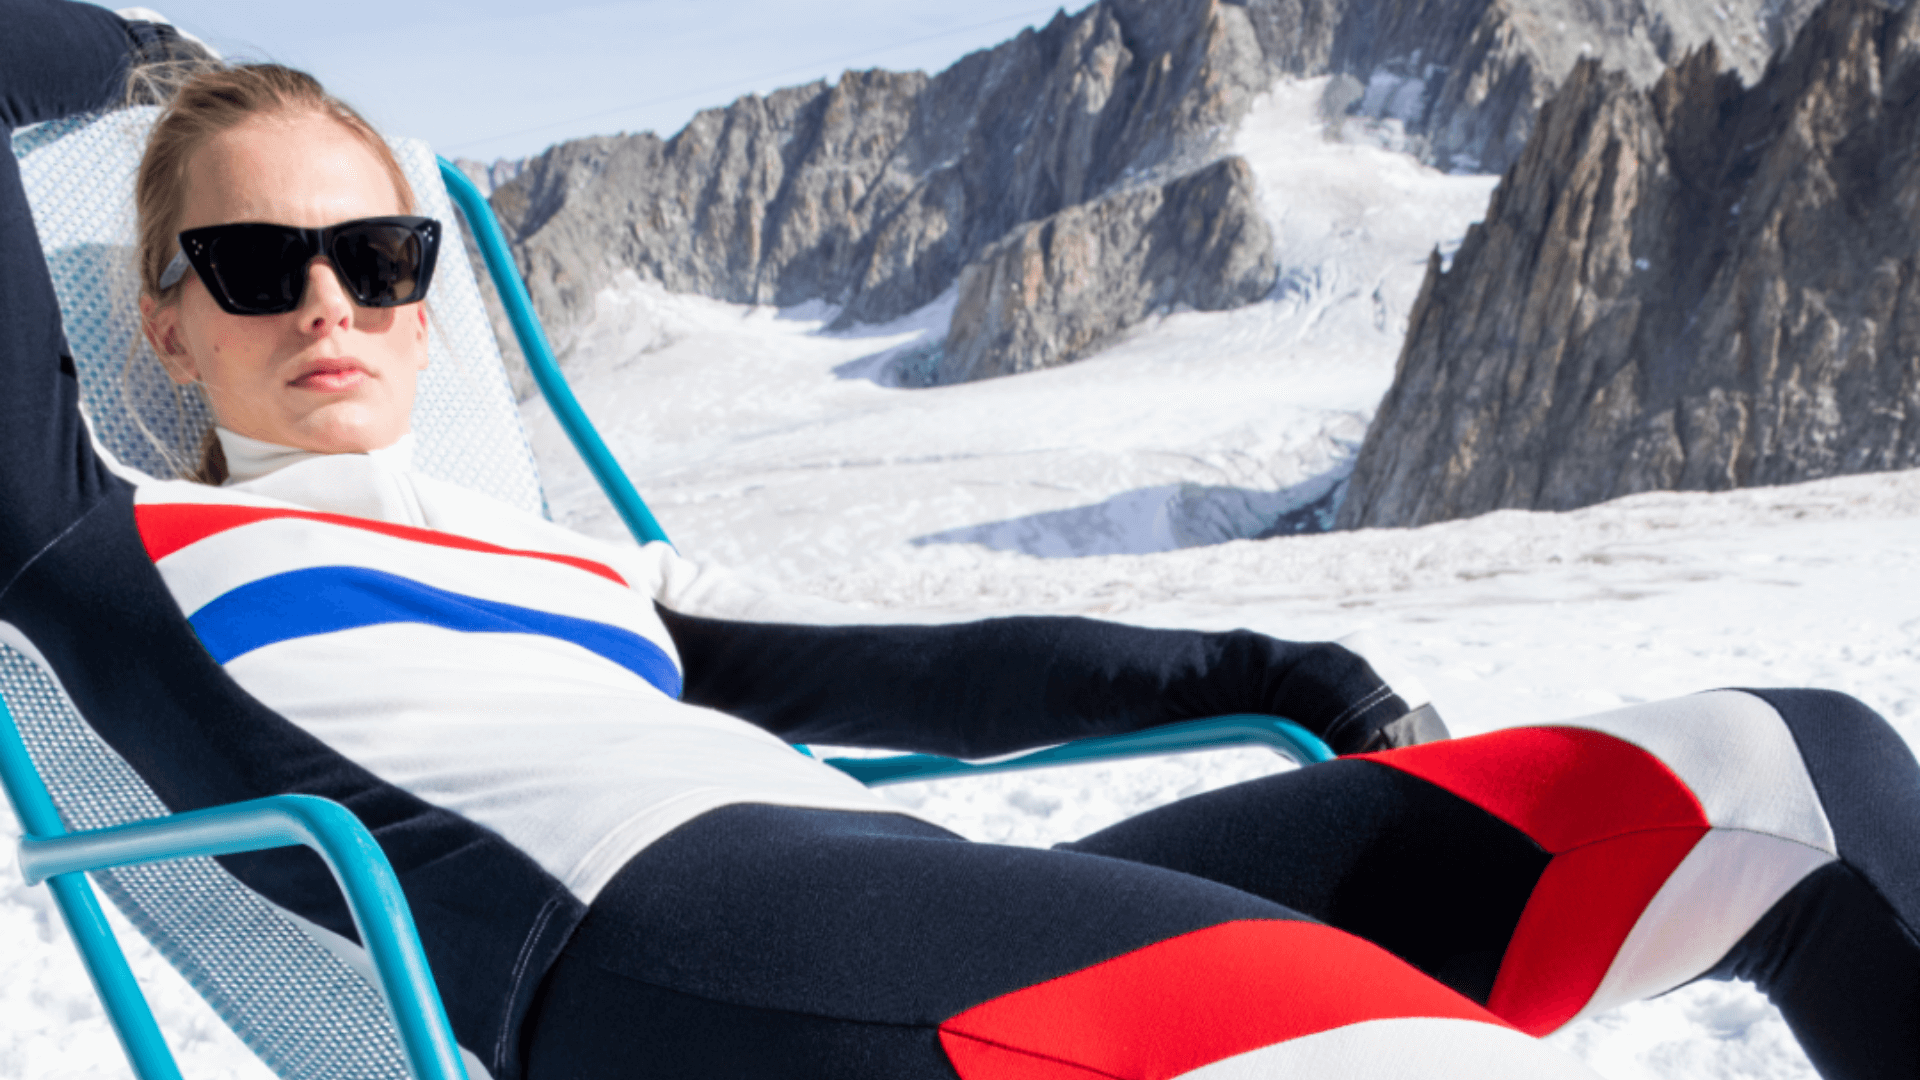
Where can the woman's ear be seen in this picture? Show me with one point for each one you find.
(421, 335)
(161, 325)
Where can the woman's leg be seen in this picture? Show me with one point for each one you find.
(1840, 953)
(1376, 852)
(803, 943)
(1551, 872)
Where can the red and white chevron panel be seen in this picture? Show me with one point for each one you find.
(1245, 999)
(1673, 828)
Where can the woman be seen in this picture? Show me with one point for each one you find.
(617, 864)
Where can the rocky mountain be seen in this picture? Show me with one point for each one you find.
(882, 191)
(1696, 287)
(489, 176)
(1468, 78)
(1052, 290)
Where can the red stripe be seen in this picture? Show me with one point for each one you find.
(1192, 1000)
(1575, 922)
(167, 527)
(1616, 819)
(1562, 786)
(975, 1060)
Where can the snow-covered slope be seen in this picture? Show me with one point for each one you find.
(765, 444)
(769, 445)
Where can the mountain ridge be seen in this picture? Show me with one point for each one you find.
(1699, 286)
(879, 191)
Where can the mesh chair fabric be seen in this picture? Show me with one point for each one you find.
(306, 1013)
(296, 1005)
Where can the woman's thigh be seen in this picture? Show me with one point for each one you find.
(1555, 871)
(762, 940)
(1372, 850)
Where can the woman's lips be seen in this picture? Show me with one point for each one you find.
(331, 376)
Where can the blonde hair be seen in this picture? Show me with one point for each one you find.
(201, 103)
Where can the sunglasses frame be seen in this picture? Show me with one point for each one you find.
(196, 248)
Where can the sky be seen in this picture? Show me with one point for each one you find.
(486, 79)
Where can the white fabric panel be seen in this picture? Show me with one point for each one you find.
(563, 753)
(1422, 1048)
(251, 459)
(698, 588)
(572, 758)
(1736, 754)
(1717, 893)
(377, 486)
(166, 492)
(382, 485)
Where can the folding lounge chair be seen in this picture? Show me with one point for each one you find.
(312, 1006)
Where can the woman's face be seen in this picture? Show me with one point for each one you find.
(329, 376)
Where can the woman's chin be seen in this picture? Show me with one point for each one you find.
(350, 427)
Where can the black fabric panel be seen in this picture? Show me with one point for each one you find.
(1868, 783)
(58, 59)
(996, 686)
(1840, 954)
(593, 1024)
(876, 918)
(48, 474)
(1844, 972)
(491, 919)
(1378, 853)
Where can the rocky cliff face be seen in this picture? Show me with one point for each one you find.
(1695, 287)
(1052, 290)
(1468, 78)
(489, 177)
(877, 192)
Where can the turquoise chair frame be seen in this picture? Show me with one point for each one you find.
(1282, 736)
(48, 852)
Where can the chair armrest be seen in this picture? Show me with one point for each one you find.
(1241, 729)
(372, 891)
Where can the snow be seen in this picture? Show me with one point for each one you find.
(1115, 487)
(1183, 432)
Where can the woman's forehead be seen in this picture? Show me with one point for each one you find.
(306, 170)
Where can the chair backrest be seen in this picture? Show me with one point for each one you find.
(79, 179)
(305, 1011)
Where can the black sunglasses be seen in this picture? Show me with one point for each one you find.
(253, 268)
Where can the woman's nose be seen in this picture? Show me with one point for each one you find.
(326, 304)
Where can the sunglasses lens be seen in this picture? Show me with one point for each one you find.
(380, 263)
(259, 269)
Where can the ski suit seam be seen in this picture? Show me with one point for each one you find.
(732, 1004)
(1022, 1051)
(48, 546)
(519, 974)
(1361, 707)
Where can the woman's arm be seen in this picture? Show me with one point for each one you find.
(997, 686)
(56, 59)
(59, 58)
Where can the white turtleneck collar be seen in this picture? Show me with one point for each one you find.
(250, 459)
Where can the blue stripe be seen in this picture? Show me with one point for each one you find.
(324, 599)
